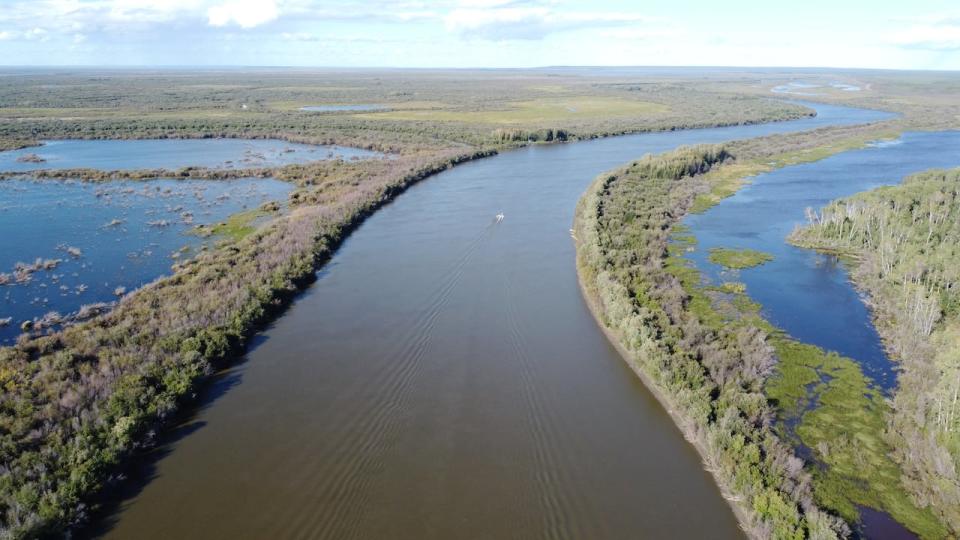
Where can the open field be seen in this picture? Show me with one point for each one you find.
(537, 111)
(424, 107)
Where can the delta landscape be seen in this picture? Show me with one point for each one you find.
(479, 269)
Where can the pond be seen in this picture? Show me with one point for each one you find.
(171, 154)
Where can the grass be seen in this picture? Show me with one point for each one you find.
(739, 258)
(842, 419)
(534, 111)
(236, 227)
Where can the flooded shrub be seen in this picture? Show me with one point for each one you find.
(30, 158)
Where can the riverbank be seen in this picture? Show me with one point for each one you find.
(714, 393)
(592, 300)
(722, 181)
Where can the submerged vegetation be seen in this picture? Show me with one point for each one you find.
(832, 411)
(905, 245)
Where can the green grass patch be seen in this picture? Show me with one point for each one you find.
(533, 112)
(841, 418)
(235, 227)
(739, 258)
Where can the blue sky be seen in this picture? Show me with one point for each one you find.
(917, 34)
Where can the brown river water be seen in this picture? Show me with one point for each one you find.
(443, 378)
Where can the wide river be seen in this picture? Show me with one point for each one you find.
(443, 378)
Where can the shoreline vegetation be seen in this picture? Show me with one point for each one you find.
(709, 377)
(77, 403)
(901, 243)
(739, 388)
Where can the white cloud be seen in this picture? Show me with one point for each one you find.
(7, 35)
(36, 34)
(299, 36)
(154, 11)
(933, 37)
(243, 13)
(501, 20)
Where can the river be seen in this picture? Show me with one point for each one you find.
(443, 378)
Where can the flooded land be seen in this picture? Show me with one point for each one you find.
(84, 244)
(168, 154)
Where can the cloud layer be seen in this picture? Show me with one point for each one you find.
(468, 33)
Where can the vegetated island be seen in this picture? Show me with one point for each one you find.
(903, 244)
(738, 259)
(739, 387)
(709, 375)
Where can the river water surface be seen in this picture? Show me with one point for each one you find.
(444, 379)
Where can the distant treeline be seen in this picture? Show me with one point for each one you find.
(39, 106)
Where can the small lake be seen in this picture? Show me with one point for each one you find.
(806, 293)
(113, 155)
(105, 236)
(341, 108)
